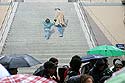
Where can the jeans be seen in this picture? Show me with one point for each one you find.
(60, 29)
(47, 33)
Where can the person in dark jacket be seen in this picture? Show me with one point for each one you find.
(48, 70)
(72, 64)
(97, 71)
(74, 68)
(55, 61)
(107, 72)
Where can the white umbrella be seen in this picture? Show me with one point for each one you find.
(3, 72)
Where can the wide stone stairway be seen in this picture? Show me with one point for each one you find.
(26, 35)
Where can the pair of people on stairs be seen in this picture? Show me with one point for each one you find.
(58, 22)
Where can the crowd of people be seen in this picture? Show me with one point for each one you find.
(94, 71)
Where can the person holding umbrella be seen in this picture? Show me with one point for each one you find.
(97, 71)
(89, 61)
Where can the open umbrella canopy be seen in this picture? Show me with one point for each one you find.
(106, 50)
(25, 78)
(3, 71)
(18, 60)
(92, 57)
(117, 77)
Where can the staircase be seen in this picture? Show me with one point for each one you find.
(26, 35)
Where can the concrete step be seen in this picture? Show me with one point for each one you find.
(45, 1)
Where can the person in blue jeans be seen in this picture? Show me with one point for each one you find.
(47, 28)
(59, 21)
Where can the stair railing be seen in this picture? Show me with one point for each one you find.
(88, 27)
(4, 24)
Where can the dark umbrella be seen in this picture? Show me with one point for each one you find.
(18, 60)
(92, 57)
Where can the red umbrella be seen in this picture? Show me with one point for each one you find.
(25, 78)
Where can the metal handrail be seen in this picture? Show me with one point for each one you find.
(91, 32)
(5, 21)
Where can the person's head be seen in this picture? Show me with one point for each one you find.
(100, 64)
(47, 20)
(54, 60)
(118, 65)
(92, 62)
(57, 9)
(115, 60)
(50, 67)
(86, 78)
(76, 56)
(75, 64)
(12, 71)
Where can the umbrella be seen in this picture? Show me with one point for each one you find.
(25, 78)
(106, 50)
(18, 60)
(3, 71)
(117, 77)
(92, 57)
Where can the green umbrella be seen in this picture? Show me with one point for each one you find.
(117, 77)
(106, 50)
